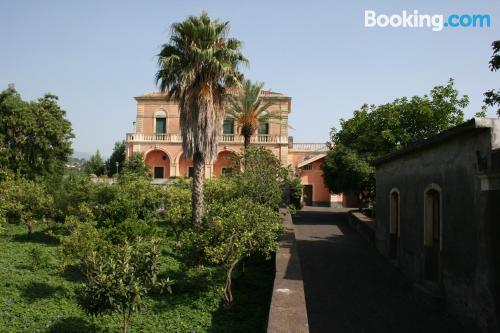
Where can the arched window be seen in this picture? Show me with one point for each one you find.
(394, 224)
(160, 122)
(432, 232)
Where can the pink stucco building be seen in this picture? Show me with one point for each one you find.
(157, 136)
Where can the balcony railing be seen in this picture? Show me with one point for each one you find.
(310, 146)
(225, 138)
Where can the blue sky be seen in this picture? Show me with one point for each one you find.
(97, 55)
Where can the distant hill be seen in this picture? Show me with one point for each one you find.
(80, 155)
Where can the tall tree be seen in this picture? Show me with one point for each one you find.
(196, 67)
(374, 131)
(35, 136)
(249, 110)
(95, 165)
(492, 97)
(116, 161)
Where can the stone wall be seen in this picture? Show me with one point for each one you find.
(288, 313)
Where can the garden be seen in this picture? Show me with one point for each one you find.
(79, 256)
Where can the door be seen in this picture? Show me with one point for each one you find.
(158, 172)
(394, 225)
(432, 236)
(307, 194)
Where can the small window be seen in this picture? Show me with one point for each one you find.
(227, 171)
(307, 167)
(264, 129)
(161, 125)
(228, 126)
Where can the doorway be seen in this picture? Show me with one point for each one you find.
(307, 195)
(158, 172)
(432, 235)
(394, 232)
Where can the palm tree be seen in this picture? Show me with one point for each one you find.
(249, 110)
(196, 68)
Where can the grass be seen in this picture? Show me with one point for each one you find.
(36, 296)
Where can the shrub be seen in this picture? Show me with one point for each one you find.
(295, 188)
(73, 195)
(25, 202)
(79, 246)
(176, 210)
(38, 258)
(120, 279)
(262, 178)
(235, 230)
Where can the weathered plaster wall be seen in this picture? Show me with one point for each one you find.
(453, 166)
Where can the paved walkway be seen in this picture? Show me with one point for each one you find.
(350, 287)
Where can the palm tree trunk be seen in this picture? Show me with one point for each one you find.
(246, 143)
(197, 192)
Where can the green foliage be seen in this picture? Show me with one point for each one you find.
(26, 202)
(263, 176)
(38, 258)
(221, 189)
(95, 165)
(345, 170)
(117, 156)
(132, 197)
(77, 247)
(135, 165)
(492, 97)
(295, 188)
(176, 210)
(235, 230)
(120, 279)
(73, 196)
(43, 300)
(35, 137)
(374, 131)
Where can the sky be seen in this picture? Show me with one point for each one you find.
(97, 55)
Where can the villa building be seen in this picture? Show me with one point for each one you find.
(157, 136)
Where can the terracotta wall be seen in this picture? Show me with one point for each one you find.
(314, 177)
(158, 158)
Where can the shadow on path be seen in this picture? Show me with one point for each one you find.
(350, 287)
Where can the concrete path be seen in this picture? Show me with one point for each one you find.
(350, 287)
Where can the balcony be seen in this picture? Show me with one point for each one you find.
(310, 146)
(225, 138)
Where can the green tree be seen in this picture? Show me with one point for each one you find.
(249, 110)
(374, 131)
(95, 165)
(492, 97)
(121, 278)
(235, 230)
(117, 157)
(26, 202)
(262, 178)
(135, 165)
(176, 210)
(35, 137)
(196, 67)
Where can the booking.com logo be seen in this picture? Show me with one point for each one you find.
(415, 20)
